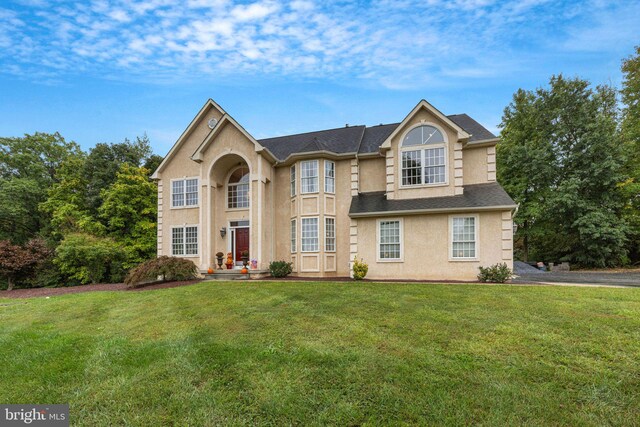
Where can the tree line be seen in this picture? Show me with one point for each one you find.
(74, 217)
(570, 157)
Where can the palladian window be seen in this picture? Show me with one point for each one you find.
(238, 189)
(423, 157)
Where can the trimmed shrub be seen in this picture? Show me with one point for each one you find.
(360, 269)
(497, 273)
(280, 268)
(164, 268)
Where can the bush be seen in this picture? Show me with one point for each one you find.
(497, 273)
(360, 268)
(280, 268)
(20, 263)
(167, 268)
(90, 259)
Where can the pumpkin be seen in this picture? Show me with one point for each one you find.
(210, 270)
(244, 270)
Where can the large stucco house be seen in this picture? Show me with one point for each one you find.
(416, 199)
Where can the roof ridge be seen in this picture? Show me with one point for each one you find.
(313, 131)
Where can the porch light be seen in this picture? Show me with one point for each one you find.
(223, 232)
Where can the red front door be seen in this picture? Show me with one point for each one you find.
(242, 242)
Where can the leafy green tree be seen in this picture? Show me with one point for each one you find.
(129, 211)
(561, 160)
(152, 163)
(66, 204)
(631, 143)
(27, 170)
(525, 156)
(104, 161)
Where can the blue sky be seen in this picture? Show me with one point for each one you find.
(100, 71)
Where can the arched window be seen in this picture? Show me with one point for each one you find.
(238, 189)
(425, 161)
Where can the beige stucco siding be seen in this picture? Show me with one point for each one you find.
(426, 248)
(372, 175)
(475, 165)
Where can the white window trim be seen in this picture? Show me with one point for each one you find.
(421, 148)
(476, 238)
(317, 177)
(226, 190)
(378, 259)
(184, 240)
(184, 193)
(302, 238)
(335, 234)
(293, 242)
(326, 162)
(293, 180)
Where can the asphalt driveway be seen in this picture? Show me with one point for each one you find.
(631, 278)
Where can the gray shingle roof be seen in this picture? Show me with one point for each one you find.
(352, 139)
(482, 196)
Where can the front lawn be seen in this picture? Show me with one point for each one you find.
(328, 353)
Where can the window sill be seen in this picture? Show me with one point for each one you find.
(185, 207)
(464, 260)
(394, 260)
(236, 209)
(408, 187)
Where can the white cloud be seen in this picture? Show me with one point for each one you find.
(396, 43)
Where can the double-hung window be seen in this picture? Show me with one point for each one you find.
(294, 235)
(390, 240)
(309, 176)
(425, 161)
(293, 180)
(463, 237)
(329, 176)
(184, 240)
(184, 192)
(329, 234)
(309, 234)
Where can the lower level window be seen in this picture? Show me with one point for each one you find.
(389, 241)
(184, 240)
(309, 234)
(463, 237)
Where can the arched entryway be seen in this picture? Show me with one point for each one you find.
(230, 208)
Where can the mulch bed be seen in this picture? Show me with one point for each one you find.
(47, 292)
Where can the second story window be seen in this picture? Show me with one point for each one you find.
(293, 180)
(423, 157)
(309, 176)
(329, 176)
(238, 189)
(184, 192)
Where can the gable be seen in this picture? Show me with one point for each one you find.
(210, 110)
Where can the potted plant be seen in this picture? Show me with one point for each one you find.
(244, 255)
(219, 257)
(229, 262)
(254, 264)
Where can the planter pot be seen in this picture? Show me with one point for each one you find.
(219, 259)
(229, 266)
(245, 261)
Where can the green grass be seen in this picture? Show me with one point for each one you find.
(328, 353)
